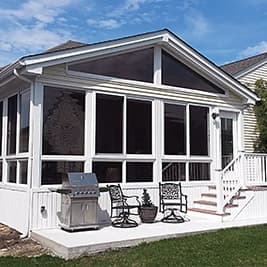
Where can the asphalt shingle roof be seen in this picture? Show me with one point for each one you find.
(67, 45)
(240, 65)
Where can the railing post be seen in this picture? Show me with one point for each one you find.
(242, 171)
(219, 191)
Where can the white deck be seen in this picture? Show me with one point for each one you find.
(71, 245)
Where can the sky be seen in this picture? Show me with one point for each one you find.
(223, 31)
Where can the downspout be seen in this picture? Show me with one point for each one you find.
(27, 234)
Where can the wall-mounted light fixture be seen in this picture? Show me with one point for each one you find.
(214, 115)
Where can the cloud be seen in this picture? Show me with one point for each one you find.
(196, 23)
(42, 11)
(104, 23)
(130, 6)
(259, 48)
(32, 39)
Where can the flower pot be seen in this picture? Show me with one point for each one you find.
(148, 214)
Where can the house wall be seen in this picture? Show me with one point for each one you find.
(58, 76)
(51, 202)
(250, 123)
(14, 208)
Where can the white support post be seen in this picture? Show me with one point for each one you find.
(88, 131)
(158, 139)
(240, 130)
(4, 141)
(37, 128)
(219, 191)
(242, 171)
(157, 65)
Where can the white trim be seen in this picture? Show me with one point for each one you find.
(88, 131)
(4, 139)
(62, 158)
(37, 134)
(18, 124)
(169, 88)
(157, 65)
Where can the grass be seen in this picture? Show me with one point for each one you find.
(232, 247)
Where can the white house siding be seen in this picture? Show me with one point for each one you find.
(250, 124)
(14, 207)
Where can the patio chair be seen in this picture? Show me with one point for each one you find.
(172, 201)
(122, 204)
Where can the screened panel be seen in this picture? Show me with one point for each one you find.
(12, 171)
(199, 171)
(1, 126)
(24, 121)
(108, 172)
(23, 172)
(136, 65)
(63, 121)
(139, 127)
(12, 125)
(175, 73)
(109, 123)
(173, 171)
(139, 172)
(199, 131)
(174, 129)
(54, 171)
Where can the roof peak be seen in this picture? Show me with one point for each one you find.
(66, 45)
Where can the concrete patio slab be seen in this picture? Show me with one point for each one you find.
(71, 245)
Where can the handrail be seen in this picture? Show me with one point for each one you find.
(229, 182)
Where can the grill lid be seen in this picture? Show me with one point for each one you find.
(79, 179)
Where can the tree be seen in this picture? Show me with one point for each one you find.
(260, 110)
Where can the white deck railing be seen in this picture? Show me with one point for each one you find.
(244, 170)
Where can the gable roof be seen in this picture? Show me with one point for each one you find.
(67, 45)
(236, 67)
(75, 51)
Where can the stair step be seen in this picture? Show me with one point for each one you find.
(205, 202)
(208, 195)
(212, 186)
(231, 206)
(209, 212)
(239, 197)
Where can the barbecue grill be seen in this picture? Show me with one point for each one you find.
(79, 201)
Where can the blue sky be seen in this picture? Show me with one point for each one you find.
(221, 30)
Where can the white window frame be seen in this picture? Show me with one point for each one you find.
(18, 156)
(124, 157)
(188, 158)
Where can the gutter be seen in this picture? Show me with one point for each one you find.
(29, 220)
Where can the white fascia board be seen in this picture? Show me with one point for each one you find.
(211, 69)
(250, 69)
(77, 53)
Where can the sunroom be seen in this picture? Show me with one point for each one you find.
(136, 111)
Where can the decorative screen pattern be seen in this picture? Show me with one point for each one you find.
(63, 121)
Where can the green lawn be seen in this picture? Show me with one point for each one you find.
(231, 247)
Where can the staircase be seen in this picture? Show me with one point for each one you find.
(227, 198)
(206, 206)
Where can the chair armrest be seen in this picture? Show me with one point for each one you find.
(184, 196)
(136, 198)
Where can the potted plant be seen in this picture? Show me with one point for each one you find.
(148, 210)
